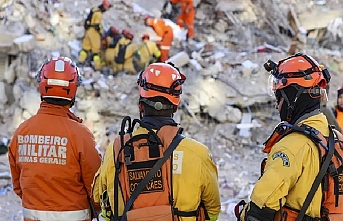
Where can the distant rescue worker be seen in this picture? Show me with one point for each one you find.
(91, 43)
(112, 37)
(146, 53)
(328, 111)
(160, 174)
(165, 32)
(338, 111)
(123, 53)
(300, 180)
(52, 155)
(186, 16)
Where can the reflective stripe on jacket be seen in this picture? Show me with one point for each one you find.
(75, 215)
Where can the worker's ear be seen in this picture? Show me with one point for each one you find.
(175, 108)
(141, 107)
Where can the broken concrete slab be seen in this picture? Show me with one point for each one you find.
(25, 43)
(180, 59)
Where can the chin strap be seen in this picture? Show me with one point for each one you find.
(291, 104)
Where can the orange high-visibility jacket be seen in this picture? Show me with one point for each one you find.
(184, 4)
(160, 27)
(53, 160)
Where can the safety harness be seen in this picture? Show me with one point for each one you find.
(330, 150)
(128, 159)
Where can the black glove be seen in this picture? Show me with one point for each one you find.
(97, 27)
(254, 213)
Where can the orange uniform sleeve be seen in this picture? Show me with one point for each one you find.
(15, 170)
(159, 28)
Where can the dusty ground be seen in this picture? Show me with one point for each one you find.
(10, 207)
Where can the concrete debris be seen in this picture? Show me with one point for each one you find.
(179, 59)
(25, 43)
(226, 101)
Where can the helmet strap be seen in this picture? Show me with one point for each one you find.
(157, 105)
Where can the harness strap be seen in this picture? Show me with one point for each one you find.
(320, 176)
(186, 214)
(194, 213)
(177, 139)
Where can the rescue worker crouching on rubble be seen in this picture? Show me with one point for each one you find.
(165, 32)
(147, 53)
(294, 161)
(124, 52)
(186, 16)
(91, 42)
(338, 111)
(112, 37)
(52, 155)
(194, 175)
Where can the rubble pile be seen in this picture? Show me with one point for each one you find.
(226, 101)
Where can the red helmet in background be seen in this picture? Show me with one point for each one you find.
(114, 30)
(59, 78)
(127, 34)
(161, 79)
(106, 4)
(145, 36)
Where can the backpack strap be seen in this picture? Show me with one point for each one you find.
(320, 175)
(169, 151)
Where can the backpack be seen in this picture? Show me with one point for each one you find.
(120, 58)
(88, 20)
(330, 175)
(143, 173)
(114, 41)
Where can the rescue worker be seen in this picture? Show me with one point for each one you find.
(91, 42)
(198, 179)
(328, 111)
(186, 16)
(146, 53)
(293, 162)
(52, 155)
(123, 52)
(113, 35)
(338, 111)
(165, 32)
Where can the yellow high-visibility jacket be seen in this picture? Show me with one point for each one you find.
(291, 168)
(195, 180)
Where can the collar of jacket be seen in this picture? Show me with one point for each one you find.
(51, 109)
(156, 122)
(317, 121)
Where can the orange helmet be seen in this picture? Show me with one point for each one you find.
(127, 34)
(106, 4)
(293, 76)
(161, 79)
(299, 69)
(148, 20)
(145, 36)
(58, 78)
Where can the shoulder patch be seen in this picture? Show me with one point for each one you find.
(284, 158)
